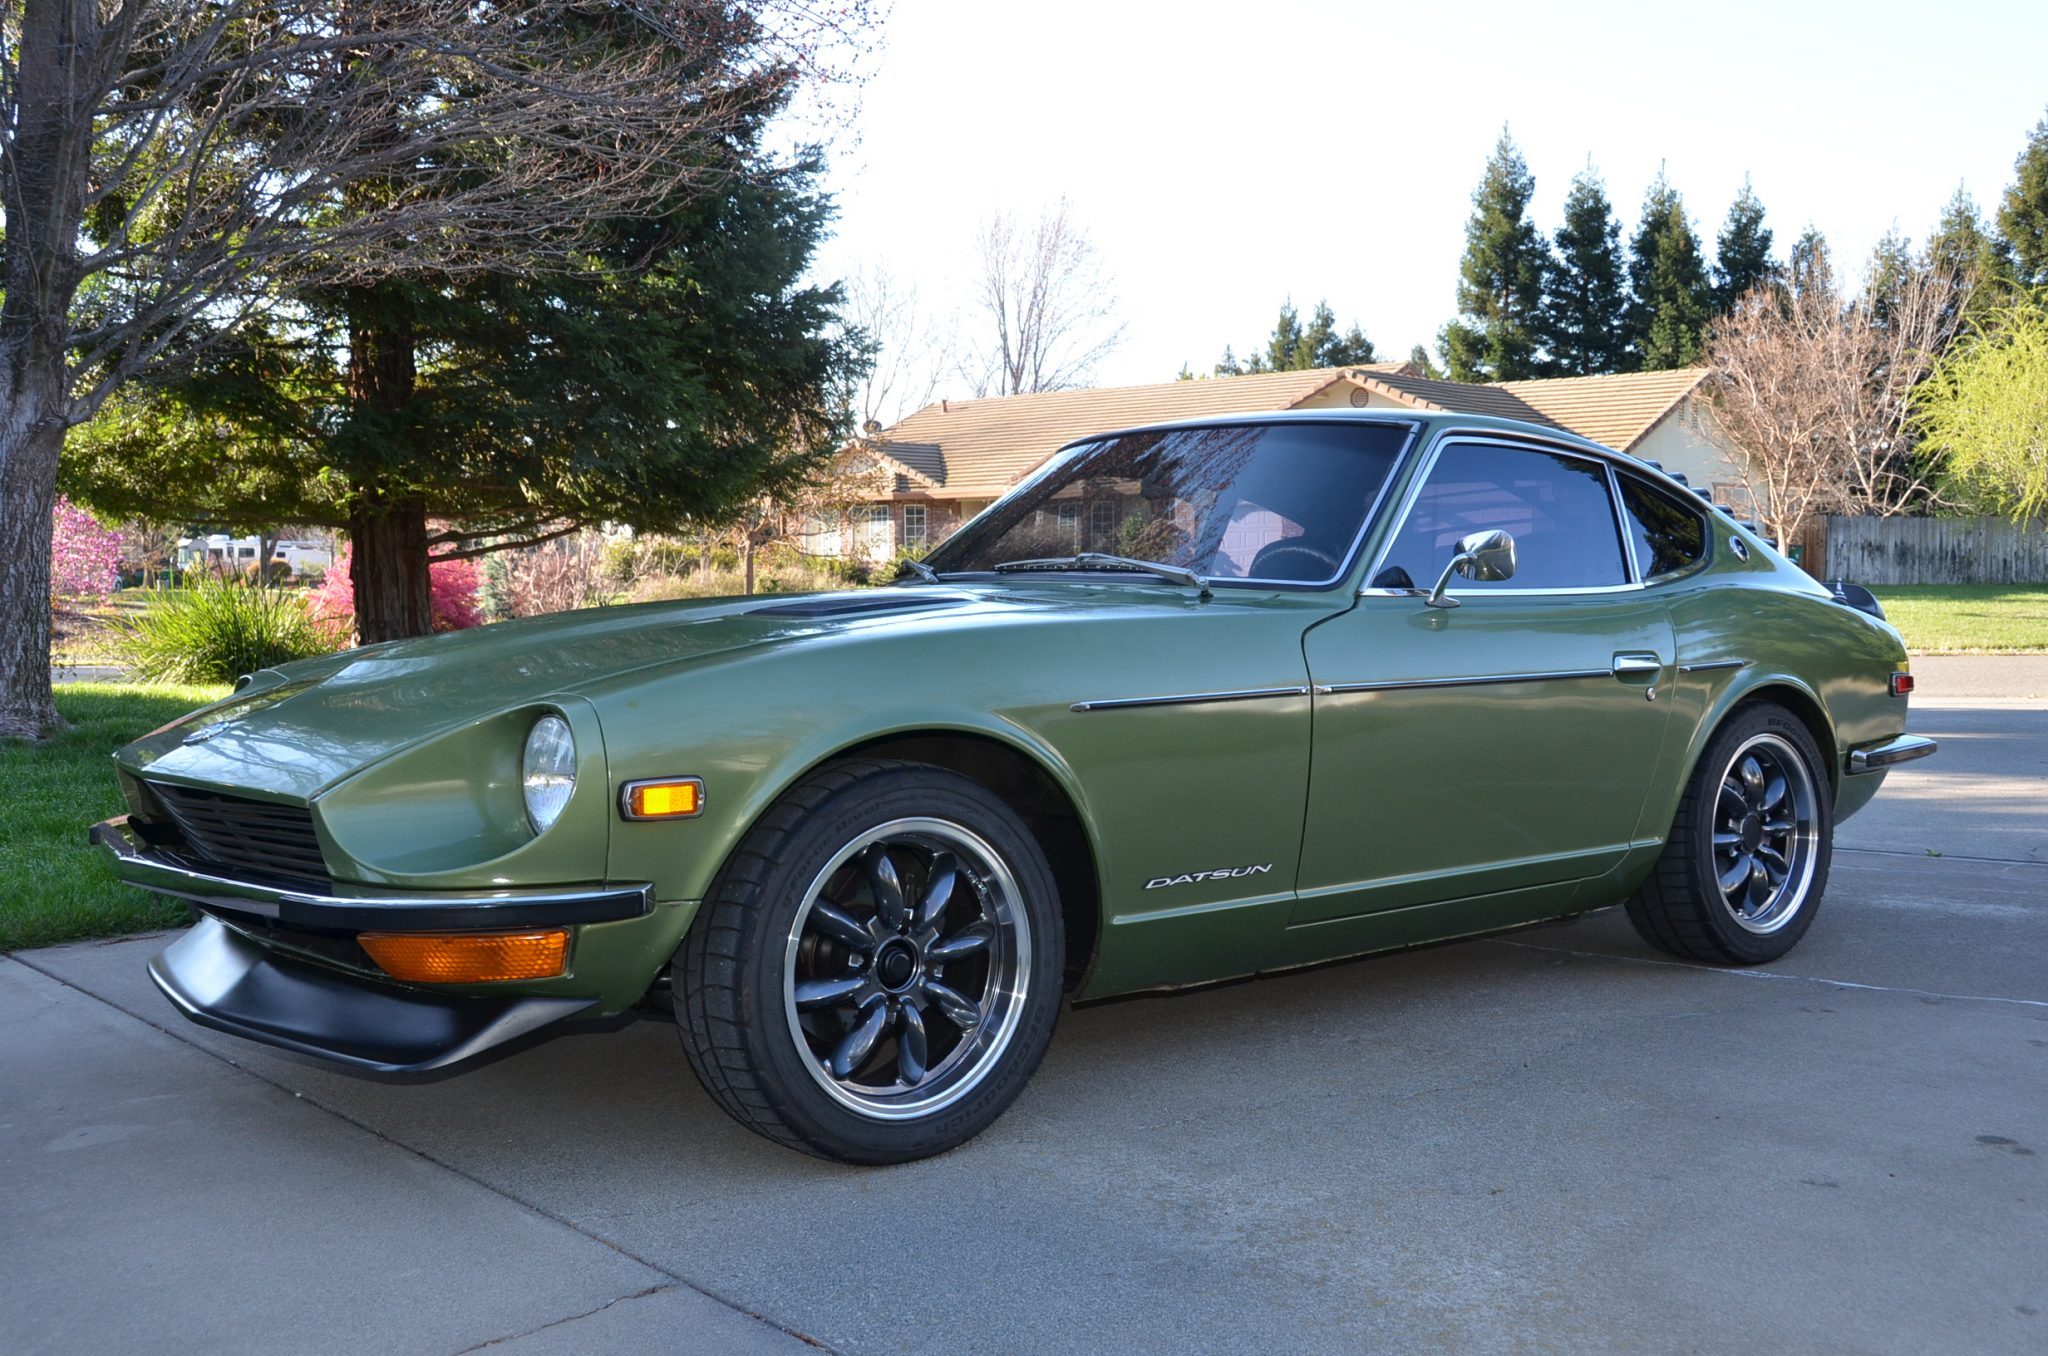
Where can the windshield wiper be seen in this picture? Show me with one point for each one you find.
(1097, 560)
(919, 568)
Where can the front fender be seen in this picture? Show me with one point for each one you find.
(753, 724)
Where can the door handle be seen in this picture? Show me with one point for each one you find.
(1628, 667)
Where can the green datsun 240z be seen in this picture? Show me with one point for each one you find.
(1193, 702)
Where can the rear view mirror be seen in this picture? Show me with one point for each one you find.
(1488, 557)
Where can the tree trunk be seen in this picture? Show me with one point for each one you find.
(388, 569)
(747, 563)
(43, 183)
(28, 489)
(387, 529)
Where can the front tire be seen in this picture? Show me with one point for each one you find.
(1743, 870)
(876, 972)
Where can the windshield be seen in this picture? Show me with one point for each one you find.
(1277, 503)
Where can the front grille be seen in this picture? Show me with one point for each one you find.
(245, 837)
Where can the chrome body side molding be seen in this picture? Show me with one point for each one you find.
(1555, 675)
(1190, 698)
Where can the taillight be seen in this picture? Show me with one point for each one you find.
(1902, 683)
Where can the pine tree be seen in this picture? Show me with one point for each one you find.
(1295, 348)
(1742, 252)
(1892, 270)
(1810, 269)
(1500, 282)
(1962, 244)
(1322, 346)
(1671, 299)
(1285, 342)
(1424, 365)
(2023, 216)
(1585, 298)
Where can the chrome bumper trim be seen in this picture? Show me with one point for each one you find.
(374, 910)
(1902, 749)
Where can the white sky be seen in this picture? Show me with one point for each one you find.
(1226, 156)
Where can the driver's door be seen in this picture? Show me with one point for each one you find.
(1507, 742)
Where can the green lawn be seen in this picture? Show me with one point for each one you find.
(53, 887)
(1969, 618)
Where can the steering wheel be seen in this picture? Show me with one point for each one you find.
(1280, 550)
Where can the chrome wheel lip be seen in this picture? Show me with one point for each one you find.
(1002, 1000)
(1797, 846)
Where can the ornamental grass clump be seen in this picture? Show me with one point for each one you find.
(216, 630)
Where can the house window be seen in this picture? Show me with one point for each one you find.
(1070, 523)
(876, 531)
(913, 527)
(1102, 524)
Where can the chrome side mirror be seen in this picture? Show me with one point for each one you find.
(1488, 557)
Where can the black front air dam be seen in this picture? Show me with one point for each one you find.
(221, 979)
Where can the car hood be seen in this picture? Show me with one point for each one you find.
(296, 730)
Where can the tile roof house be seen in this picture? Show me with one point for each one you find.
(950, 459)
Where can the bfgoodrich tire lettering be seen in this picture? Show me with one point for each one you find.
(876, 972)
(1742, 873)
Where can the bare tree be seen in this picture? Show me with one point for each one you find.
(1910, 311)
(169, 168)
(828, 494)
(1047, 301)
(1813, 389)
(905, 346)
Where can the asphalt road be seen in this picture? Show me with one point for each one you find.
(1547, 1141)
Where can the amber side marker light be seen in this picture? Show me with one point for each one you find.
(1902, 683)
(468, 957)
(662, 798)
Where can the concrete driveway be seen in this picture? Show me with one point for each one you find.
(1548, 1141)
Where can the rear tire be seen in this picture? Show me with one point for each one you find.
(1744, 868)
(876, 972)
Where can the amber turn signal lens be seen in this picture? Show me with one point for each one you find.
(667, 798)
(468, 957)
(1902, 683)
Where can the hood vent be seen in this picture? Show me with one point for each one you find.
(853, 606)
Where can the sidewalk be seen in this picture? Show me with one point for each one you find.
(160, 1198)
(1949, 677)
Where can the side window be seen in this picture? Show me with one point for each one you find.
(1557, 507)
(1670, 537)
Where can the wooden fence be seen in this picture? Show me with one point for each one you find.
(1936, 551)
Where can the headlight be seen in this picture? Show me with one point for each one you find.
(548, 771)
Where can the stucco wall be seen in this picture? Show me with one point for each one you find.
(1339, 396)
(1687, 441)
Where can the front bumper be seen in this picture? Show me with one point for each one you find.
(220, 976)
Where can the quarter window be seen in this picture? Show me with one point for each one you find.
(1557, 507)
(1669, 536)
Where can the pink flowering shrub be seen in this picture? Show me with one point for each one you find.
(451, 592)
(84, 557)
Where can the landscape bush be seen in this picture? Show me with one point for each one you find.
(215, 630)
(556, 576)
(451, 593)
(775, 573)
(85, 558)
